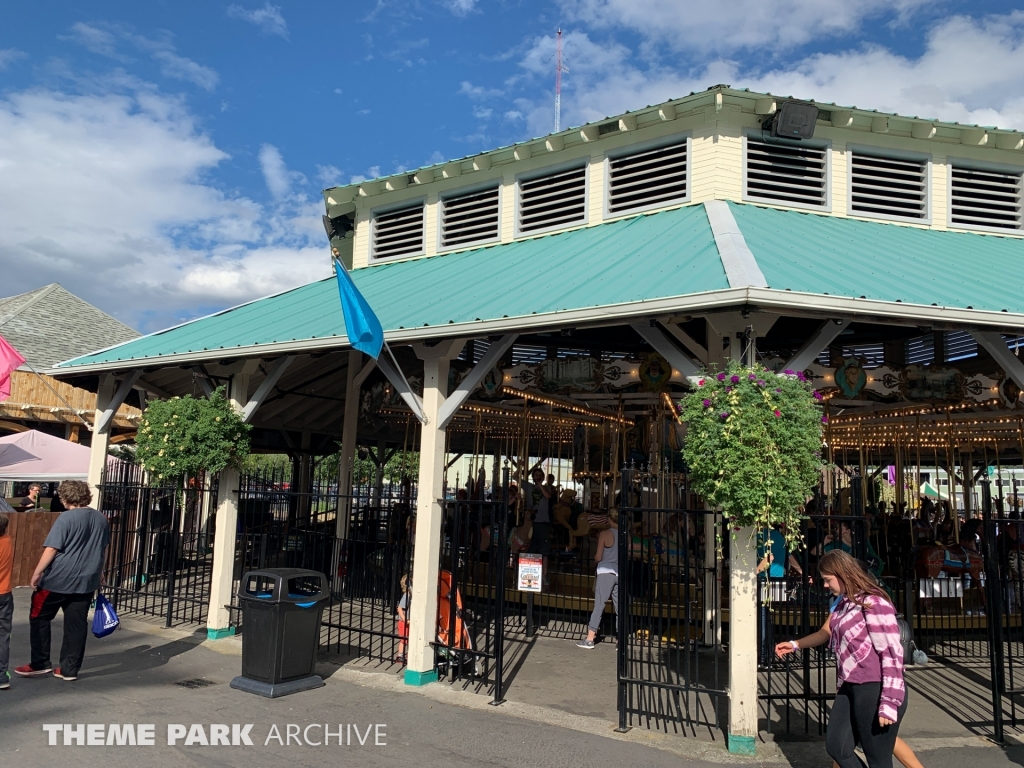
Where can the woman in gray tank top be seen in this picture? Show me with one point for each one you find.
(607, 582)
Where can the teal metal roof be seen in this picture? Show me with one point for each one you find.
(647, 257)
(813, 253)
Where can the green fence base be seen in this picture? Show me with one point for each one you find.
(219, 634)
(420, 678)
(742, 745)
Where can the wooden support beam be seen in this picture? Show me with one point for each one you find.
(815, 345)
(200, 376)
(455, 401)
(398, 381)
(1009, 362)
(107, 415)
(273, 375)
(688, 341)
(664, 347)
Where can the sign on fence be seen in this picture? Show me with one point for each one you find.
(531, 571)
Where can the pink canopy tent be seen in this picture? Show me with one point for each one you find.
(37, 456)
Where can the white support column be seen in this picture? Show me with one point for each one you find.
(816, 344)
(742, 641)
(429, 514)
(222, 581)
(354, 377)
(1007, 360)
(100, 437)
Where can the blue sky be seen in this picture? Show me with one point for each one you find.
(164, 159)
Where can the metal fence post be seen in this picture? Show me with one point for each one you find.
(994, 598)
(498, 569)
(625, 590)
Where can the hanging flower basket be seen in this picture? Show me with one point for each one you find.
(184, 436)
(753, 444)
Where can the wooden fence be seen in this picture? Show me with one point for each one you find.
(28, 530)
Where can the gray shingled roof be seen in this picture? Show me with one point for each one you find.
(49, 325)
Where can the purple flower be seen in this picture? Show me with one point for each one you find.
(801, 376)
(728, 389)
(788, 371)
(707, 403)
(751, 376)
(760, 382)
(824, 419)
(817, 395)
(700, 383)
(777, 389)
(778, 412)
(724, 414)
(735, 379)
(721, 377)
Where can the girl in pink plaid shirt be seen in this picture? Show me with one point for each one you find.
(863, 633)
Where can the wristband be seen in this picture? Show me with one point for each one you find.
(795, 644)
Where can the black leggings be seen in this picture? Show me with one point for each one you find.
(854, 720)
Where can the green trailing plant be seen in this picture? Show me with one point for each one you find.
(753, 445)
(185, 436)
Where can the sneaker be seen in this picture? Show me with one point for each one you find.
(69, 678)
(26, 670)
(5, 681)
(588, 644)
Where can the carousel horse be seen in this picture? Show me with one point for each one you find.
(569, 513)
(955, 560)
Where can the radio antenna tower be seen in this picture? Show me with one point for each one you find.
(559, 69)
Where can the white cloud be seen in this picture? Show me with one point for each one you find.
(967, 72)
(268, 18)
(95, 38)
(108, 195)
(328, 175)
(481, 113)
(8, 55)
(733, 24)
(372, 172)
(279, 179)
(460, 7)
(466, 88)
(103, 39)
(181, 68)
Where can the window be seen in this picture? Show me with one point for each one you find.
(648, 179)
(470, 218)
(558, 199)
(398, 233)
(986, 198)
(784, 173)
(885, 186)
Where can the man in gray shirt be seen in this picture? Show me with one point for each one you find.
(66, 578)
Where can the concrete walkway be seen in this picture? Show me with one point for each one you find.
(560, 710)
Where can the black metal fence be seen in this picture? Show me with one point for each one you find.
(362, 542)
(672, 673)
(160, 559)
(475, 591)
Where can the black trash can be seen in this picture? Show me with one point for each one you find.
(281, 613)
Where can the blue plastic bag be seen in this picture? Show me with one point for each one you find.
(104, 620)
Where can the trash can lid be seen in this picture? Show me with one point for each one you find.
(300, 586)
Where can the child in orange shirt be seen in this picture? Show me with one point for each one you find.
(6, 601)
(403, 618)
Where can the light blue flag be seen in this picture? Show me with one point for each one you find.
(361, 324)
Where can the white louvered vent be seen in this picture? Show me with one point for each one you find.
(786, 173)
(986, 198)
(959, 345)
(552, 201)
(646, 179)
(873, 355)
(920, 350)
(469, 218)
(398, 233)
(884, 186)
